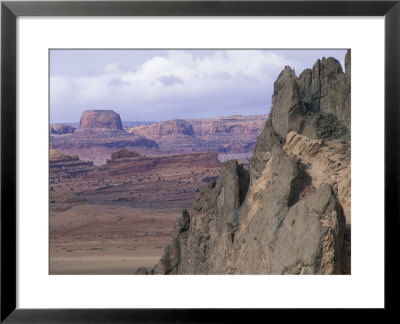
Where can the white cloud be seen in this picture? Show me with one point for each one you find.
(111, 68)
(227, 81)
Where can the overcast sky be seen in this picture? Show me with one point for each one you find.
(156, 85)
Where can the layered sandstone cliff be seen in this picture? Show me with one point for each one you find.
(63, 166)
(231, 137)
(290, 212)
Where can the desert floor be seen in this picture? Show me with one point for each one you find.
(108, 239)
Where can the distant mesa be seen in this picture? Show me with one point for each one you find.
(100, 119)
(59, 129)
(175, 127)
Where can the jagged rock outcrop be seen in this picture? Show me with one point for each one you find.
(59, 129)
(326, 89)
(287, 214)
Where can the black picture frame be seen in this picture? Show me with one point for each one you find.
(10, 10)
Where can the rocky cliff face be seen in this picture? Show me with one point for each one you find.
(288, 213)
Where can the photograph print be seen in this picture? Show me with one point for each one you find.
(199, 161)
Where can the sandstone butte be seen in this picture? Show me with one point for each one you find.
(290, 212)
(100, 119)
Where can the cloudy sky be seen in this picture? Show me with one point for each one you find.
(156, 85)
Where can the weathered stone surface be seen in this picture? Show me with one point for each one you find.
(288, 213)
(286, 108)
(309, 241)
(203, 237)
(347, 63)
(316, 104)
(327, 162)
(184, 222)
(100, 119)
(326, 89)
(262, 151)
